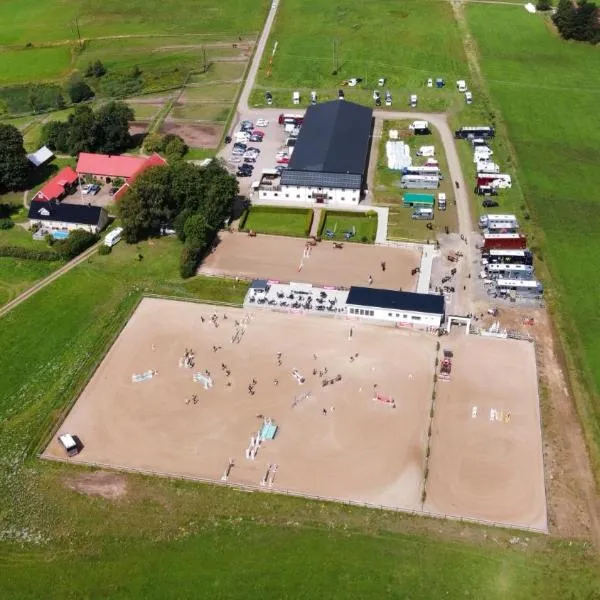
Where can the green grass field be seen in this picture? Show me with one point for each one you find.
(558, 151)
(388, 193)
(33, 64)
(381, 39)
(144, 111)
(363, 224)
(223, 92)
(278, 220)
(53, 20)
(16, 275)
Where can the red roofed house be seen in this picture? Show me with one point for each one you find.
(107, 167)
(63, 183)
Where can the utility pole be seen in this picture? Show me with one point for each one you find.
(335, 59)
(76, 29)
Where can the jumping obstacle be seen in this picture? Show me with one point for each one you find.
(267, 431)
(238, 334)
(264, 480)
(227, 471)
(252, 448)
(387, 400)
(272, 475)
(206, 381)
(473, 412)
(298, 376)
(145, 376)
(499, 415)
(299, 399)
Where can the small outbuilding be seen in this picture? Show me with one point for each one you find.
(405, 309)
(63, 183)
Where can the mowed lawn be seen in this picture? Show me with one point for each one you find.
(548, 92)
(337, 224)
(17, 274)
(405, 42)
(168, 538)
(33, 64)
(53, 20)
(278, 221)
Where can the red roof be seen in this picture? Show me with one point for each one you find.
(55, 188)
(152, 161)
(105, 165)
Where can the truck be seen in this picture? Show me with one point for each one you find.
(469, 132)
(424, 182)
(530, 288)
(423, 214)
(485, 220)
(524, 257)
(509, 270)
(415, 200)
(294, 119)
(502, 181)
(502, 227)
(419, 127)
(487, 166)
(504, 241)
(423, 170)
(441, 201)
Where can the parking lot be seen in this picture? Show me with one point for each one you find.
(101, 198)
(272, 142)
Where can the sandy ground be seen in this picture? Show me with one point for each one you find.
(195, 135)
(278, 258)
(491, 470)
(362, 450)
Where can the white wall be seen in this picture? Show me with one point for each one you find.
(290, 193)
(404, 318)
(56, 225)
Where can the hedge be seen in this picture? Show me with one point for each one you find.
(243, 219)
(29, 253)
(309, 221)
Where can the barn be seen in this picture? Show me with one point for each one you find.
(330, 159)
(405, 309)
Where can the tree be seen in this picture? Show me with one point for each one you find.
(563, 16)
(113, 127)
(197, 231)
(95, 69)
(13, 159)
(82, 131)
(78, 89)
(175, 149)
(543, 5)
(55, 135)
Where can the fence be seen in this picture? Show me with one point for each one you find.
(256, 488)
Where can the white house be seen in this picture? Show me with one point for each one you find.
(60, 216)
(405, 309)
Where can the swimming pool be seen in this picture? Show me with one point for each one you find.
(60, 235)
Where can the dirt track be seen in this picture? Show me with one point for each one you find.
(279, 258)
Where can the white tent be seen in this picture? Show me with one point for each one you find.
(39, 157)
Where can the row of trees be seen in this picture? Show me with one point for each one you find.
(578, 21)
(13, 160)
(194, 201)
(106, 130)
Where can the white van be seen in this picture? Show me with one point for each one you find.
(412, 101)
(468, 98)
(441, 201)
(423, 214)
(241, 136)
(296, 97)
(70, 443)
(461, 85)
(419, 126)
(113, 237)
(313, 97)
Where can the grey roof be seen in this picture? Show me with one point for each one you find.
(323, 180)
(424, 303)
(79, 214)
(334, 138)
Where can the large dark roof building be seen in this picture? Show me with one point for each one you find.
(63, 215)
(392, 300)
(332, 148)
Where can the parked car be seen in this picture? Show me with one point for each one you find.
(250, 160)
(262, 123)
(269, 98)
(487, 203)
(281, 168)
(258, 132)
(340, 94)
(376, 95)
(246, 126)
(241, 173)
(240, 145)
(388, 98)
(378, 102)
(283, 160)
(256, 138)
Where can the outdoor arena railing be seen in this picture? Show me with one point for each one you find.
(307, 496)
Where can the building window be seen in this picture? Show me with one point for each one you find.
(415, 318)
(297, 195)
(287, 195)
(372, 313)
(275, 194)
(390, 314)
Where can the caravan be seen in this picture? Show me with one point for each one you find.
(425, 182)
